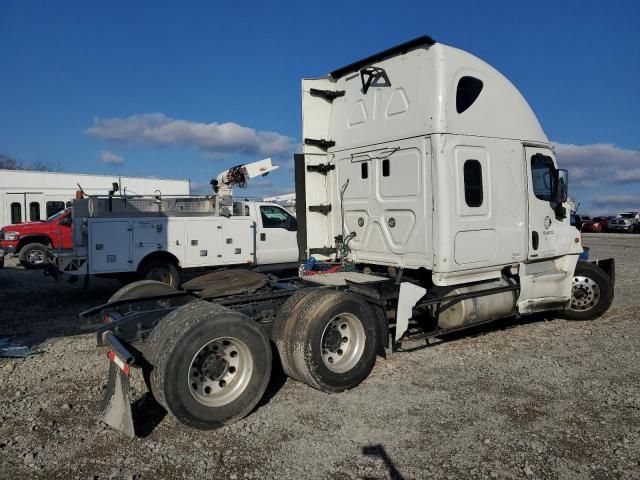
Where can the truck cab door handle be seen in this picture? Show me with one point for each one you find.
(535, 240)
(263, 237)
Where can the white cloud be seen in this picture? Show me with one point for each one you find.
(215, 139)
(111, 158)
(616, 202)
(598, 164)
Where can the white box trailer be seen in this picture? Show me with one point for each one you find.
(31, 196)
(430, 201)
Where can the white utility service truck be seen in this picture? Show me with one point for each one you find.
(429, 201)
(157, 237)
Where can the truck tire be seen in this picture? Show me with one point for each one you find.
(160, 270)
(328, 340)
(592, 293)
(33, 256)
(286, 315)
(210, 365)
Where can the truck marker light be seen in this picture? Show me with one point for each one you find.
(126, 369)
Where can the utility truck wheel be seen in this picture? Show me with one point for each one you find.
(592, 293)
(33, 256)
(328, 340)
(211, 365)
(161, 271)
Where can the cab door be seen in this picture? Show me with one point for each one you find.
(276, 240)
(545, 231)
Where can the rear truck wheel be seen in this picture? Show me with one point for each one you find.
(592, 293)
(327, 339)
(211, 365)
(160, 270)
(33, 256)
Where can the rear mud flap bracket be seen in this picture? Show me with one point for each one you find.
(115, 409)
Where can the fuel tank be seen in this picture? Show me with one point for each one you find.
(479, 309)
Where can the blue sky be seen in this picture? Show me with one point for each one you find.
(69, 68)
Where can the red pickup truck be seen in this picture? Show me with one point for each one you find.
(32, 240)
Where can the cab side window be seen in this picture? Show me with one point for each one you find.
(274, 217)
(541, 173)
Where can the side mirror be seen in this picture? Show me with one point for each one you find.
(66, 220)
(563, 185)
(293, 224)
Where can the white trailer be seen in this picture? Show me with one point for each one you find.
(27, 196)
(430, 201)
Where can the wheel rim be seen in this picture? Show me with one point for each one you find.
(159, 274)
(342, 342)
(220, 371)
(585, 294)
(35, 257)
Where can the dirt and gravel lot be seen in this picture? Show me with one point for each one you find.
(521, 399)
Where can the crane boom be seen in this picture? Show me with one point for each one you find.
(237, 176)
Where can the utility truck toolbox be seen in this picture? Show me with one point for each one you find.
(428, 200)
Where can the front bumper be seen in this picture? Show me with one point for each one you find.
(8, 247)
(624, 228)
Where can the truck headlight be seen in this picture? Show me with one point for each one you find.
(11, 235)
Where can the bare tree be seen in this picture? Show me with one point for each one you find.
(9, 163)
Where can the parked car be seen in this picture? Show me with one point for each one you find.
(31, 241)
(595, 225)
(578, 220)
(625, 222)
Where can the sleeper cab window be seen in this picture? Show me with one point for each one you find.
(467, 92)
(473, 192)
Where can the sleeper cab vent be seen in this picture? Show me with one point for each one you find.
(468, 91)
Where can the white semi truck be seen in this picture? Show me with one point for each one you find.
(158, 237)
(428, 201)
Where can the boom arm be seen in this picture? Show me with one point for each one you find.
(237, 176)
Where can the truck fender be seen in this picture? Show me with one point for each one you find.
(409, 296)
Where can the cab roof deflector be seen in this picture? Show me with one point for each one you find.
(398, 49)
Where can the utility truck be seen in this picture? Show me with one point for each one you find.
(157, 237)
(428, 201)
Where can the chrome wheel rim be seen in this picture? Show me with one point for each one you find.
(35, 257)
(585, 294)
(220, 371)
(342, 342)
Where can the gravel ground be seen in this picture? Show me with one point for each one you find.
(521, 399)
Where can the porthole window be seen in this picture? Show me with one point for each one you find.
(473, 193)
(34, 211)
(16, 212)
(54, 207)
(385, 167)
(468, 90)
(364, 170)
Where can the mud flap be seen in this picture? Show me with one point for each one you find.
(115, 409)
